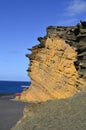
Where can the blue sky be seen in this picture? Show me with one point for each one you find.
(22, 21)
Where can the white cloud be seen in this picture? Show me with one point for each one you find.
(76, 7)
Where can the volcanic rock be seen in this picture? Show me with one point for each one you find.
(58, 64)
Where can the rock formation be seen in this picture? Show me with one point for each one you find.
(58, 64)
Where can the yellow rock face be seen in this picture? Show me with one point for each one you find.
(52, 72)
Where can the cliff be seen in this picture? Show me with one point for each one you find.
(57, 64)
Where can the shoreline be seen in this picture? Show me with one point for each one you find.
(7, 95)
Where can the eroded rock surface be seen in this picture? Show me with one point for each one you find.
(58, 64)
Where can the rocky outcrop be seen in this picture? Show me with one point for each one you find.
(58, 64)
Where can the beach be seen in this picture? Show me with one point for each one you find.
(58, 114)
(10, 111)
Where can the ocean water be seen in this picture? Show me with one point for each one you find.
(12, 87)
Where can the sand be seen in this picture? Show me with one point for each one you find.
(10, 112)
(64, 114)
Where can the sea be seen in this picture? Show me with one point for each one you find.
(13, 87)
